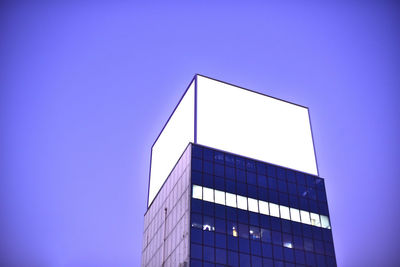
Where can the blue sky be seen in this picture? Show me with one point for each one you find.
(87, 86)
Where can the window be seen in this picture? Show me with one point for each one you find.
(219, 197)
(274, 209)
(295, 215)
(231, 200)
(208, 194)
(325, 222)
(305, 217)
(315, 219)
(197, 192)
(253, 204)
(284, 212)
(242, 202)
(263, 207)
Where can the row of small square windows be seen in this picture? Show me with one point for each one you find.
(259, 206)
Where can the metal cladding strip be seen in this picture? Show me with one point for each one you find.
(260, 206)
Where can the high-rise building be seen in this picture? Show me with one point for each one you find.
(234, 182)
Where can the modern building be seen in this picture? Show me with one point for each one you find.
(234, 182)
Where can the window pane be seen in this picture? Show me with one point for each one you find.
(315, 219)
(208, 194)
(242, 202)
(263, 207)
(285, 212)
(253, 204)
(219, 197)
(305, 217)
(295, 215)
(325, 222)
(197, 192)
(274, 209)
(231, 200)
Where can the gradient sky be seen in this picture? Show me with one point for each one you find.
(87, 86)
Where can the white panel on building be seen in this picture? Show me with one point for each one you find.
(171, 143)
(254, 125)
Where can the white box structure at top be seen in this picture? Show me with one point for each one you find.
(236, 120)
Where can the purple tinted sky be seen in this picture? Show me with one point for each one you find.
(86, 88)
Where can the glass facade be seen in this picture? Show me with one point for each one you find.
(248, 213)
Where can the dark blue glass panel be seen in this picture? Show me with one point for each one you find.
(196, 263)
(244, 230)
(288, 254)
(208, 254)
(272, 183)
(299, 256)
(240, 163)
(267, 262)
(197, 152)
(208, 154)
(282, 186)
(290, 176)
(321, 196)
(219, 183)
(196, 205)
(208, 238)
(241, 189)
(265, 221)
(320, 260)
(276, 238)
(219, 157)
(230, 173)
(263, 194)
(231, 214)
(262, 180)
(329, 249)
(240, 175)
(310, 259)
(310, 180)
(197, 220)
(230, 186)
(256, 261)
(292, 188)
(273, 196)
(298, 242)
(208, 264)
(261, 169)
(208, 208)
(254, 233)
(196, 235)
(220, 256)
(278, 252)
(317, 233)
(208, 180)
(296, 227)
(303, 203)
(271, 170)
(293, 201)
(196, 251)
(300, 178)
(313, 206)
(220, 226)
(230, 160)
(266, 235)
(244, 245)
(243, 216)
(275, 224)
(330, 261)
(220, 211)
(280, 173)
(232, 243)
(208, 223)
(233, 259)
(208, 167)
(254, 218)
(287, 240)
(251, 178)
(308, 244)
(286, 226)
(250, 165)
(197, 164)
(244, 260)
(284, 199)
(220, 240)
(252, 191)
(197, 178)
(255, 247)
(319, 247)
(266, 250)
(219, 170)
(232, 228)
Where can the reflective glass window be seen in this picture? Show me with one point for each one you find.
(231, 200)
(284, 212)
(315, 219)
(295, 215)
(197, 192)
(263, 207)
(208, 194)
(253, 204)
(325, 222)
(219, 197)
(274, 209)
(305, 217)
(242, 202)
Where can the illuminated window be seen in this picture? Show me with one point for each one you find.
(208, 194)
(197, 192)
(315, 219)
(219, 197)
(263, 207)
(230, 200)
(284, 212)
(242, 202)
(253, 204)
(274, 209)
(305, 217)
(325, 222)
(295, 215)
